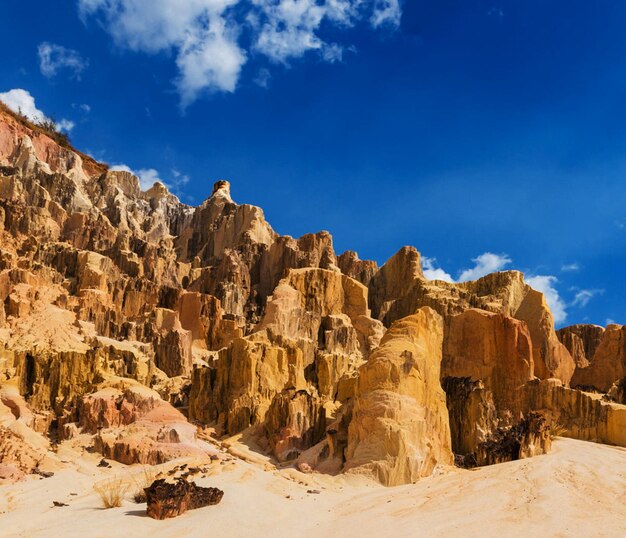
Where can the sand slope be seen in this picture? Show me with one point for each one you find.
(576, 490)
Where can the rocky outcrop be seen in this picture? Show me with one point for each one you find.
(607, 364)
(400, 430)
(315, 333)
(166, 500)
(22, 449)
(617, 392)
(122, 309)
(578, 414)
(489, 347)
(393, 279)
(529, 437)
(473, 416)
(130, 423)
(295, 421)
(581, 341)
(504, 293)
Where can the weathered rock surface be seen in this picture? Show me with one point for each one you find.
(504, 293)
(529, 437)
(579, 414)
(581, 341)
(400, 430)
(473, 416)
(22, 449)
(130, 423)
(166, 500)
(608, 362)
(489, 347)
(124, 311)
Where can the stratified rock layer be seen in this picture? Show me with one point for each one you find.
(128, 317)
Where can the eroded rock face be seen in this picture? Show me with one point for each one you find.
(489, 347)
(504, 293)
(578, 414)
(473, 416)
(117, 304)
(130, 423)
(607, 364)
(529, 437)
(581, 341)
(400, 429)
(22, 448)
(295, 421)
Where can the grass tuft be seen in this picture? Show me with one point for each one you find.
(111, 492)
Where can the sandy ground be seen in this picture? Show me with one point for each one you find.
(576, 490)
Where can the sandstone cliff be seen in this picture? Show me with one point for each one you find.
(127, 318)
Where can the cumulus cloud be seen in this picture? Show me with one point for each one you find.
(22, 102)
(54, 58)
(434, 273)
(484, 264)
(213, 39)
(546, 285)
(149, 176)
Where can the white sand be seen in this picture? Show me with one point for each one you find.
(577, 490)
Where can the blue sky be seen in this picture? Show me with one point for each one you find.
(462, 127)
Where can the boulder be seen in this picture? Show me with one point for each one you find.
(166, 500)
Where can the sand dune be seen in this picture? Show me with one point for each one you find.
(576, 490)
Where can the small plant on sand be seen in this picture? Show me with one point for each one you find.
(143, 480)
(111, 492)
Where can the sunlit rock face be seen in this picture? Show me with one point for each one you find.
(400, 428)
(127, 318)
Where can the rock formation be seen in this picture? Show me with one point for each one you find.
(399, 430)
(127, 318)
(607, 364)
(166, 500)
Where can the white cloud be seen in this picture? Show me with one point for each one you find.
(53, 58)
(582, 297)
(386, 12)
(21, 101)
(546, 285)
(570, 267)
(149, 176)
(208, 58)
(484, 264)
(206, 35)
(65, 125)
(178, 180)
(83, 107)
(332, 53)
(120, 168)
(610, 321)
(433, 273)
